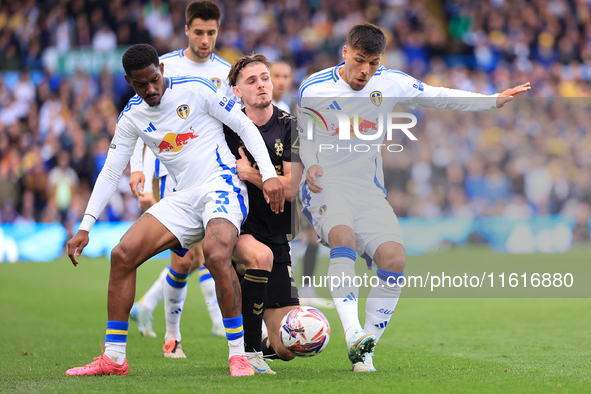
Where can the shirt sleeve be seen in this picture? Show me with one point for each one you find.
(228, 112)
(415, 93)
(120, 151)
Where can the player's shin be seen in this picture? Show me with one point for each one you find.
(381, 302)
(341, 273)
(175, 292)
(254, 294)
(116, 340)
(155, 294)
(207, 285)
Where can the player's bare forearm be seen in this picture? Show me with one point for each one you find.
(251, 175)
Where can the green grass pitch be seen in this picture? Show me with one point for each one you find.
(53, 316)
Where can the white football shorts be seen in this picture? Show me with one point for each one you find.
(369, 215)
(185, 213)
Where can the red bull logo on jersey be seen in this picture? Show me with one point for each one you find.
(183, 111)
(175, 142)
(364, 126)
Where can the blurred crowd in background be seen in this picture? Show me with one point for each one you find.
(531, 158)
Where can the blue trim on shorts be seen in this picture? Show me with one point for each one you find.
(229, 181)
(162, 186)
(306, 203)
(375, 179)
(180, 251)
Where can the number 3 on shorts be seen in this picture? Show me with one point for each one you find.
(224, 196)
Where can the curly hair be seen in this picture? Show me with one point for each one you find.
(138, 57)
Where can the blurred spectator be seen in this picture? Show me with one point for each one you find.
(104, 40)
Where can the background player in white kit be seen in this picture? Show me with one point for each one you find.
(178, 119)
(343, 194)
(203, 19)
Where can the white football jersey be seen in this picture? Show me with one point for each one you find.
(362, 169)
(176, 64)
(185, 133)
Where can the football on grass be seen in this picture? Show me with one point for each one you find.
(304, 331)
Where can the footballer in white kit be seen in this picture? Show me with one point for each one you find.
(180, 120)
(176, 63)
(184, 133)
(197, 59)
(343, 192)
(353, 180)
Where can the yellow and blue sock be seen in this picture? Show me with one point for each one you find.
(116, 340)
(381, 302)
(235, 335)
(175, 292)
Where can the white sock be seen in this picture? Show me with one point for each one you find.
(342, 265)
(235, 335)
(381, 303)
(116, 351)
(236, 347)
(175, 292)
(116, 340)
(155, 294)
(211, 300)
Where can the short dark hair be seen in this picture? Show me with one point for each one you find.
(203, 9)
(242, 63)
(367, 38)
(138, 57)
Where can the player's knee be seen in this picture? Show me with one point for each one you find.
(182, 266)
(121, 258)
(341, 236)
(396, 263)
(263, 259)
(217, 259)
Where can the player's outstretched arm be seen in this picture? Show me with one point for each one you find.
(120, 152)
(76, 245)
(508, 94)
